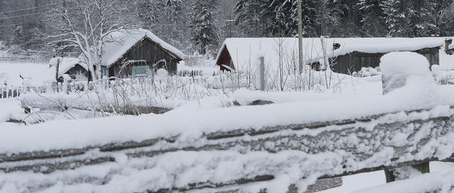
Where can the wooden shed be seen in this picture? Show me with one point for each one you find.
(346, 55)
(354, 61)
(71, 66)
(136, 53)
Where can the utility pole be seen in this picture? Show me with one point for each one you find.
(300, 37)
(62, 47)
(61, 52)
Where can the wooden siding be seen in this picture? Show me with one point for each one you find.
(345, 64)
(148, 53)
(225, 59)
(354, 61)
(77, 69)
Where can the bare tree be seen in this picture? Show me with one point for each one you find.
(88, 25)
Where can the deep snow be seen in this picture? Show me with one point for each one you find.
(191, 120)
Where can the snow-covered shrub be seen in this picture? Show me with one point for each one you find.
(367, 72)
(443, 75)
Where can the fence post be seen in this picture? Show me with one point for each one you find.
(394, 76)
(261, 74)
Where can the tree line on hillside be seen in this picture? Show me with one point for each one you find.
(347, 18)
(49, 26)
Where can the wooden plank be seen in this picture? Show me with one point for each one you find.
(307, 138)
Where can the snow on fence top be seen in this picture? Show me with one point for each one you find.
(120, 42)
(245, 51)
(77, 134)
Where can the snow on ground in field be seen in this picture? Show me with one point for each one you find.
(117, 129)
(34, 74)
(375, 181)
(207, 115)
(9, 108)
(440, 178)
(311, 108)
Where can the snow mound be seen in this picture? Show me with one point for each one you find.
(404, 64)
(404, 68)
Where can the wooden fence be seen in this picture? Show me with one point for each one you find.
(373, 132)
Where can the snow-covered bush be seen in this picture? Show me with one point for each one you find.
(367, 72)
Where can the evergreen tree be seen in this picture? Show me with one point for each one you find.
(249, 16)
(149, 11)
(445, 13)
(286, 22)
(417, 18)
(373, 22)
(268, 15)
(347, 18)
(204, 33)
(276, 18)
(397, 17)
(440, 10)
(310, 16)
(328, 17)
(422, 18)
(172, 23)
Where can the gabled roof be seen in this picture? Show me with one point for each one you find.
(245, 51)
(66, 63)
(121, 42)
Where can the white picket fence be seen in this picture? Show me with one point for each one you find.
(16, 91)
(9, 92)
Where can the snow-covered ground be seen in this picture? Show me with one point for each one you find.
(376, 182)
(351, 98)
(9, 108)
(16, 74)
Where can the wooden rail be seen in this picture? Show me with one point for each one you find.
(372, 134)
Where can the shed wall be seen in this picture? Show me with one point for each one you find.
(354, 61)
(151, 53)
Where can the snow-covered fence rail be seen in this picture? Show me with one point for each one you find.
(239, 157)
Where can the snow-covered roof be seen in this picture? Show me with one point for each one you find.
(245, 51)
(122, 41)
(66, 63)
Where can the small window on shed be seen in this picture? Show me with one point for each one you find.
(140, 71)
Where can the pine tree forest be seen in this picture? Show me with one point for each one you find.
(34, 26)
